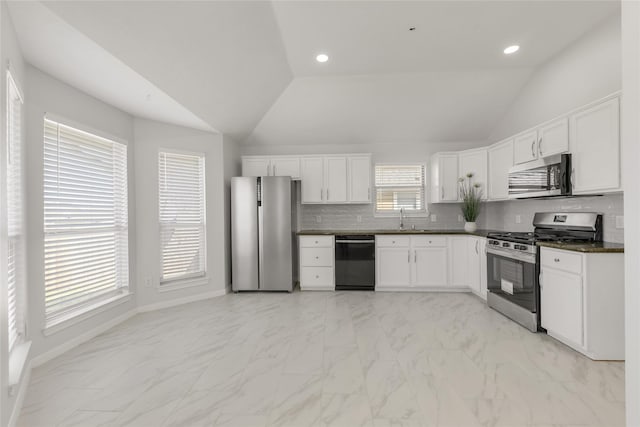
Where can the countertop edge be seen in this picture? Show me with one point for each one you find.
(477, 233)
(589, 248)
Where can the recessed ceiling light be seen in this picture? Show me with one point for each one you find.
(322, 58)
(511, 49)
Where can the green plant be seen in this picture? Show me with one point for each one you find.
(471, 194)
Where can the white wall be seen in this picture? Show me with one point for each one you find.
(232, 167)
(44, 94)
(9, 52)
(585, 71)
(150, 138)
(631, 159)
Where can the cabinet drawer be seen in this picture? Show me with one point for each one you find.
(393, 241)
(316, 241)
(561, 260)
(428, 241)
(315, 277)
(316, 257)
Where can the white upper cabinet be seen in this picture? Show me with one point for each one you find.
(595, 148)
(525, 147)
(549, 139)
(359, 179)
(335, 177)
(286, 166)
(252, 166)
(553, 138)
(500, 161)
(312, 177)
(475, 162)
(444, 177)
(271, 166)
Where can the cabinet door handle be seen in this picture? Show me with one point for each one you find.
(442, 192)
(556, 260)
(409, 255)
(477, 243)
(533, 150)
(321, 194)
(274, 170)
(369, 193)
(540, 146)
(327, 194)
(415, 256)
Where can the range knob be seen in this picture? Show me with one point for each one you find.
(505, 245)
(520, 247)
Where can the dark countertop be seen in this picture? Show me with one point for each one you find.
(599, 247)
(479, 232)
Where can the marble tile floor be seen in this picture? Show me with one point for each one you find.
(325, 359)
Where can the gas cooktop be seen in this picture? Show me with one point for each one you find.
(531, 238)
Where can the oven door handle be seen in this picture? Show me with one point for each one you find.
(529, 258)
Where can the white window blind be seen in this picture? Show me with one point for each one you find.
(182, 216)
(15, 233)
(85, 220)
(400, 186)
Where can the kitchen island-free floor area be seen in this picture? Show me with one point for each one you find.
(320, 359)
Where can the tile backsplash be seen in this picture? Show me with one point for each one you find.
(494, 215)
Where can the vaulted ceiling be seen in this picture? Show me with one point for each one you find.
(248, 69)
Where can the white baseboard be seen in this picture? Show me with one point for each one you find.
(22, 393)
(86, 336)
(418, 289)
(180, 301)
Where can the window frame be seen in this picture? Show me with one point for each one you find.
(55, 322)
(15, 242)
(191, 279)
(424, 212)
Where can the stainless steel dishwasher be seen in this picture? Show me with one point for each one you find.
(355, 263)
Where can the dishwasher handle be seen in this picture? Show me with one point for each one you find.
(355, 241)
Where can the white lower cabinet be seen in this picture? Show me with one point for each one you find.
(426, 262)
(317, 263)
(458, 264)
(582, 301)
(393, 267)
(477, 266)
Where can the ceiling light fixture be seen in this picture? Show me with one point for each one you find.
(322, 58)
(511, 49)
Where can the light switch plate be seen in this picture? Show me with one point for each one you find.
(518, 219)
(318, 219)
(619, 221)
(434, 217)
(459, 218)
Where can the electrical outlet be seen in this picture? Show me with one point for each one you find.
(434, 217)
(459, 218)
(318, 219)
(359, 218)
(148, 282)
(518, 219)
(619, 221)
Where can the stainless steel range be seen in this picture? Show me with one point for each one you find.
(513, 262)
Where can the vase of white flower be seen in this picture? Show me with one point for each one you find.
(471, 195)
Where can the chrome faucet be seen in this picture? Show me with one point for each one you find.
(401, 218)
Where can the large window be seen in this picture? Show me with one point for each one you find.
(182, 216)
(85, 221)
(400, 186)
(15, 233)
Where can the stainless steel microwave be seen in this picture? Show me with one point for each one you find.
(546, 177)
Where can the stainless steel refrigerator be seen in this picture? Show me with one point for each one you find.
(262, 233)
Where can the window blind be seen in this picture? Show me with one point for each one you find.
(15, 234)
(399, 186)
(85, 220)
(182, 216)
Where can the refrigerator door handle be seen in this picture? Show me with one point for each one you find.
(260, 247)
